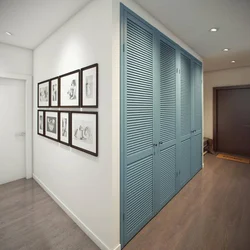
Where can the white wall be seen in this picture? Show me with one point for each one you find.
(116, 91)
(80, 181)
(15, 60)
(231, 77)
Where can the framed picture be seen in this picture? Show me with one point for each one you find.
(69, 86)
(54, 92)
(84, 132)
(89, 86)
(51, 125)
(43, 94)
(40, 122)
(64, 127)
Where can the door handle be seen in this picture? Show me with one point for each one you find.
(160, 142)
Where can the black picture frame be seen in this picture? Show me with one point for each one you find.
(69, 128)
(38, 123)
(79, 89)
(57, 124)
(38, 96)
(96, 94)
(51, 91)
(95, 114)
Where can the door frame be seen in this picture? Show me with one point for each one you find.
(28, 118)
(215, 110)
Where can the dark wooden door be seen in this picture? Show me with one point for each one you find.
(233, 121)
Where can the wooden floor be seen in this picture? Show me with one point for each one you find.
(212, 212)
(31, 220)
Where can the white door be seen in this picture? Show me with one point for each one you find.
(12, 130)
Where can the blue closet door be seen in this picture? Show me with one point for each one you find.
(185, 118)
(166, 164)
(197, 81)
(196, 153)
(138, 149)
(197, 118)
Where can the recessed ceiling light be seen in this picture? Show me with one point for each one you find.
(233, 61)
(8, 33)
(214, 29)
(226, 50)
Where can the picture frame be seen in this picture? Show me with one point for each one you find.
(89, 86)
(54, 92)
(40, 122)
(51, 125)
(43, 94)
(69, 90)
(64, 127)
(84, 132)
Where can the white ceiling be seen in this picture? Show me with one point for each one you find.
(32, 21)
(190, 20)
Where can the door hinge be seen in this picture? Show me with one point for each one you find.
(123, 216)
(123, 47)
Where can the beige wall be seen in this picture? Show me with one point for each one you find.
(231, 77)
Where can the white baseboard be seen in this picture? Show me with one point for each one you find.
(84, 228)
(118, 247)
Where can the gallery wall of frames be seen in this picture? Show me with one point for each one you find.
(76, 89)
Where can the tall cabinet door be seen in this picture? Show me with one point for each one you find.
(166, 164)
(185, 119)
(138, 150)
(197, 118)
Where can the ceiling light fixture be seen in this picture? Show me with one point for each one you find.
(214, 29)
(233, 61)
(226, 50)
(8, 33)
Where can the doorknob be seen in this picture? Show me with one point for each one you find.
(22, 134)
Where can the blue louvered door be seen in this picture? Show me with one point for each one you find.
(160, 110)
(138, 151)
(196, 118)
(167, 115)
(185, 118)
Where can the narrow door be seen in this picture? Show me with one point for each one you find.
(185, 119)
(166, 163)
(12, 128)
(196, 140)
(139, 146)
(233, 121)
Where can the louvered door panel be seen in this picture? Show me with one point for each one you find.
(167, 92)
(139, 89)
(167, 174)
(185, 121)
(196, 153)
(139, 127)
(185, 95)
(168, 102)
(185, 165)
(197, 71)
